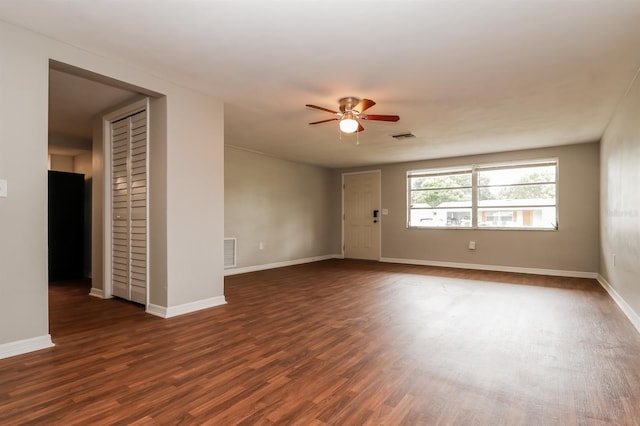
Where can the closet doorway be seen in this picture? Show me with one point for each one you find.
(127, 183)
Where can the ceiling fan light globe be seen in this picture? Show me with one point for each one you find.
(348, 125)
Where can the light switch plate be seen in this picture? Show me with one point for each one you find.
(385, 212)
(3, 188)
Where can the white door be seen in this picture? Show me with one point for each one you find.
(361, 204)
(129, 207)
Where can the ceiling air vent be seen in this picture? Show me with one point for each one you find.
(403, 136)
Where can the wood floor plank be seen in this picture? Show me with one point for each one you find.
(338, 342)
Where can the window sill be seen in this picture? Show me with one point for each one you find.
(480, 228)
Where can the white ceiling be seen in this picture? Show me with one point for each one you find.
(73, 102)
(466, 77)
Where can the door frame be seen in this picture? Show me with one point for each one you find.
(379, 182)
(107, 119)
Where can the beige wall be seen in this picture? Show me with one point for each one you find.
(82, 165)
(61, 163)
(195, 198)
(158, 201)
(194, 168)
(574, 247)
(24, 91)
(290, 207)
(620, 205)
(68, 142)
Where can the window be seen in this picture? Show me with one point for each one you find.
(440, 198)
(515, 195)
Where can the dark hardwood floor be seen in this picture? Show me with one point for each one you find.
(338, 342)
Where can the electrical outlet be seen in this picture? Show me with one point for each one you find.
(3, 188)
(472, 245)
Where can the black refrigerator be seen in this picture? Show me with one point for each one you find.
(66, 226)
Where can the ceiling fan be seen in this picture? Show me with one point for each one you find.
(351, 110)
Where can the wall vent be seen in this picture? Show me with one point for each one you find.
(404, 136)
(229, 252)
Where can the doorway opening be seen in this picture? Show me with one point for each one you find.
(78, 99)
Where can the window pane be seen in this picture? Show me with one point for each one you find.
(459, 197)
(441, 181)
(440, 217)
(510, 176)
(517, 195)
(523, 217)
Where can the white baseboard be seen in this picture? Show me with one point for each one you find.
(624, 306)
(245, 269)
(24, 346)
(157, 310)
(97, 292)
(185, 308)
(498, 268)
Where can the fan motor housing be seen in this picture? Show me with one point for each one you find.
(348, 103)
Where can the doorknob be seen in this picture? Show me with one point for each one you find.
(375, 216)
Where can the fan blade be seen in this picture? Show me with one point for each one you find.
(360, 128)
(380, 117)
(364, 105)
(325, 121)
(322, 109)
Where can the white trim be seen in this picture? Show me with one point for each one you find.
(147, 165)
(379, 173)
(245, 269)
(157, 310)
(624, 306)
(97, 292)
(185, 308)
(498, 268)
(20, 347)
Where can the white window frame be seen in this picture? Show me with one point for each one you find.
(475, 207)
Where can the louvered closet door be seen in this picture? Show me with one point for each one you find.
(120, 134)
(129, 204)
(138, 223)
